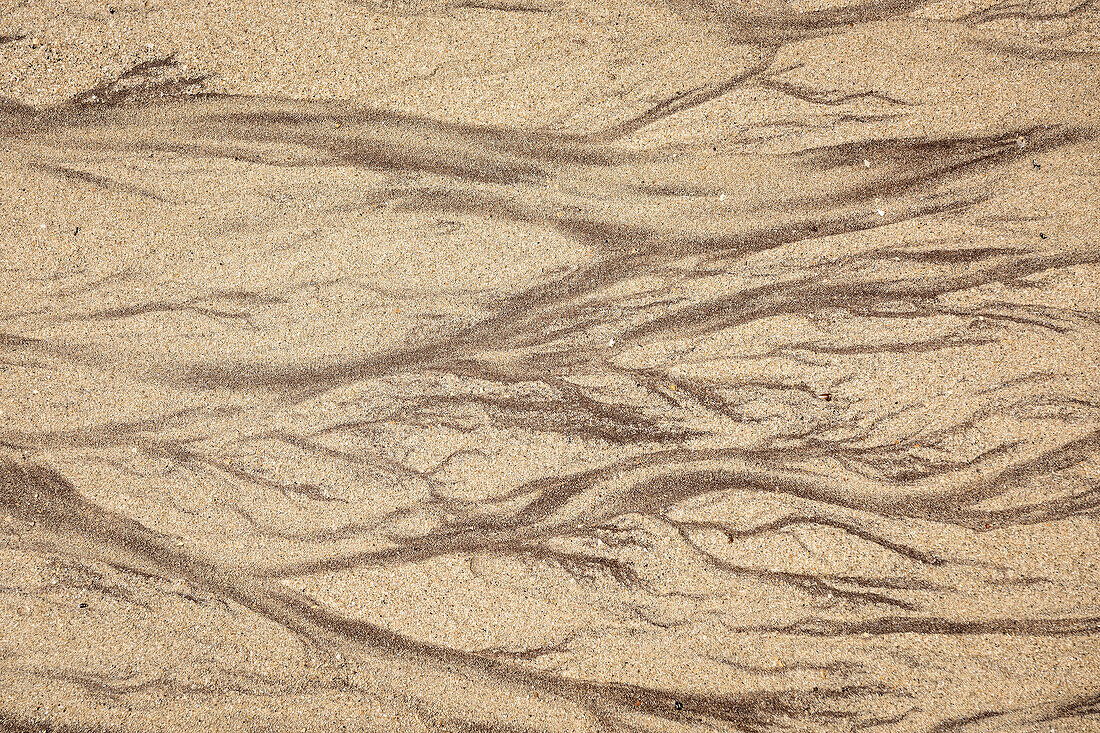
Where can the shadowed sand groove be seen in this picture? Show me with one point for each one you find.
(665, 367)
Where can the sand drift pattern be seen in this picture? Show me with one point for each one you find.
(319, 416)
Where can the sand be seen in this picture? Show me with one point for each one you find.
(515, 366)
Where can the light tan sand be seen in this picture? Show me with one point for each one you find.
(521, 365)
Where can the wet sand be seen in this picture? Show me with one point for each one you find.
(502, 367)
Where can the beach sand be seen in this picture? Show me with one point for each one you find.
(506, 366)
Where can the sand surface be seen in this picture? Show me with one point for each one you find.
(516, 366)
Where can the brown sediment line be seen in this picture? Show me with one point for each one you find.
(36, 494)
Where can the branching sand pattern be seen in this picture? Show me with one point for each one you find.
(769, 402)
